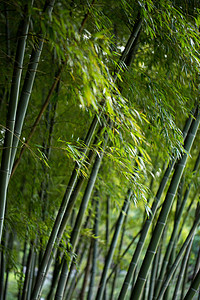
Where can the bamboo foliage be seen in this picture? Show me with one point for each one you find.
(127, 80)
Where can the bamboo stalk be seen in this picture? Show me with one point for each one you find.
(178, 258)
(95, 249)
(12, 108)
(145, 229)
(154, 271)
(28, 271)
(79, 220)
(26, 92)
(112, 247)
(107, 234)
(174, 233)
(152, 248)
(118, 256)
(194, 288)
(33, 129)
(182, 270)
(87, 272)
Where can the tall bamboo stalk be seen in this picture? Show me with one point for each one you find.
(154, 271)
(112, 247)
(27, 88)
(194, 288)
(174, 233)
(145, 229)
(152, 248)
(94, 257)
(178, 258)
(119, 254)
(182, 270)
(11, 116)
(107, 234)
(28, 271)
(87, 272)
(79, 220)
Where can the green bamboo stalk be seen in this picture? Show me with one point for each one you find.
(123, 254)
(137, 291)
(173, 251)
(107, 234)
(6, 284)
(28, 86)
(3, 261)
(128, 49)
(182, 270)
(174, 233)
(66, 216)
(2, 270)
(32, 275)
(79, 220)
(144, 233)
(56, 272)
(194, 288)
(145, 229)
(179, 256)
(112, 247)
(22, 267)
(53, 237)
(119, 254)
(185, 278)
(81, 255)
(33, 129)
(95, 249)
(80, 252)
(12, 108)
(7, 30)
(87, 272)
(8, 247)
(28, 271)
(197, 265)
(71, 285)
(146, 289)
(154, 271)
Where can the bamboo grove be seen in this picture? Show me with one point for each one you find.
(99, 138)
